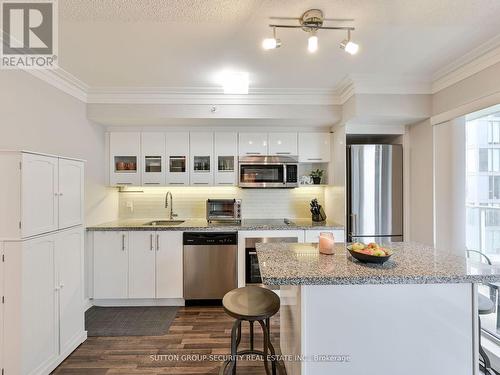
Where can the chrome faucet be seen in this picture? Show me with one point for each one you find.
(172, 215)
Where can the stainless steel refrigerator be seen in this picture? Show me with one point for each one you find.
(375, 193)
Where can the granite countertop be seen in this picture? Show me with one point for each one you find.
(203, 225)
(411, 263)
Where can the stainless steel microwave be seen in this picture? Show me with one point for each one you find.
(268, 172)
(224, 210)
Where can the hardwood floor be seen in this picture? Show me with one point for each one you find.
(195, 332)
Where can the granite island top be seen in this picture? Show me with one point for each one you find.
(203, 225)
(411, 263)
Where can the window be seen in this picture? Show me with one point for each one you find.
(493, 132)
(494, 187)
(483, 197)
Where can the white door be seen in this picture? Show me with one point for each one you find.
(69, 274)
(177, 158)
(39, 315)
(226, 158)
(314, 147)
(201, 158)
(169, 282)
(124, 157)
(283, 144)
(71, 183)
(110, 264)
(39, 194)
(153, 158)
(253, 144)
(141, 275)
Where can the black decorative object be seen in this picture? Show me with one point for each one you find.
(317, 212)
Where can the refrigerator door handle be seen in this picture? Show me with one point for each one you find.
(354, 224)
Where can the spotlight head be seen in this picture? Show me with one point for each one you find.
(271, 43)
(350, 47)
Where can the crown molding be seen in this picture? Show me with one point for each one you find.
(62, 80)
(480, 58)
(210, 95)
(377, 84)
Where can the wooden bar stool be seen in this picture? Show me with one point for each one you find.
(251, 304)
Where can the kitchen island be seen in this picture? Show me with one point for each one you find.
(415, 314)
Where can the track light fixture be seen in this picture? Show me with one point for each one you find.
(312, 21)
(348, 45)
(271, 43)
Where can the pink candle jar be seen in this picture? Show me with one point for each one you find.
(326, 243)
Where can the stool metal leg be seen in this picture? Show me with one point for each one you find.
(265, 345)
(251, 334)
(482, 353)
(271, 347)
(234, 346)
(238, 340)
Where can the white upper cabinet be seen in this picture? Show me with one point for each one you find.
(177, 158)
(226, 158)
(125, 155)
(283, 144)
(71, 183)
(314, 147)
(201, 158)
(253, 144)
(153, 161)
(39, 194)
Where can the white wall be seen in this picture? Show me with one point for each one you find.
(421, 187)
(449, 185)
(38, 117)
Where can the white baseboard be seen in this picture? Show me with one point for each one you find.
(138, 302)
(71, 348)
(87, 304)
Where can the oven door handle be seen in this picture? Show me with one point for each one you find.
(252, 253)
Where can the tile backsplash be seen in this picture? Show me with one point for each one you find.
(189, 202)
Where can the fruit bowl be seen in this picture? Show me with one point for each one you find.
(371, 253)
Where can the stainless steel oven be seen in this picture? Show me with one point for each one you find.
(252, 271)
(224, 210)
(268, 172)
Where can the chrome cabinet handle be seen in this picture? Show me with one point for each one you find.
(201, 183)
(151, 241)
(314, 159)
(151, 183)
(157, 242)
(354, 224)
(252, 153)
(283, 153)
(123, 242)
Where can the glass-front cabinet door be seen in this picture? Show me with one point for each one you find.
(125, 153)
(153, 158)
(226, 151)
(177, 158)
(201, 150)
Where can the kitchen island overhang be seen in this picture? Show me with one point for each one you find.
(415, 314)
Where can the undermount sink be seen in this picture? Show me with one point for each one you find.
(164, 222)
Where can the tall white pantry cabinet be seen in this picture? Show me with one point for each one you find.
(41, 272)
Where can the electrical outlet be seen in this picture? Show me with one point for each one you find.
(130, 205)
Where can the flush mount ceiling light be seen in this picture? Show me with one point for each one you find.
(234, 82)
(312, 21)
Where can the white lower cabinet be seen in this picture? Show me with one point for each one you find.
(43, 310)
(141, 260)
(110, 264)
(169, 277)
(137, 264)
(313, 235)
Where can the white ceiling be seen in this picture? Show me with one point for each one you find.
(185, 43)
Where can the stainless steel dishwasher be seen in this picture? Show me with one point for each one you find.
(210, 264)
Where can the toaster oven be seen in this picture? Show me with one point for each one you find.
(224, 210)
